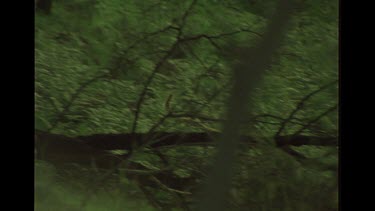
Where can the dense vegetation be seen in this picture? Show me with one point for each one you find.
(131, 96)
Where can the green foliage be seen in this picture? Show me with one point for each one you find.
(93, 60)
(267, 179)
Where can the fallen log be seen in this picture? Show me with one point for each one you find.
(300, 140)
(128, 141)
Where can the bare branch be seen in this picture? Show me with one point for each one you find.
(301, 104)
(158, 66)
(211, 38)
(315, 120)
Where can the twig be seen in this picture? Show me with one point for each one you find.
(74, 97)
(164, 187)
